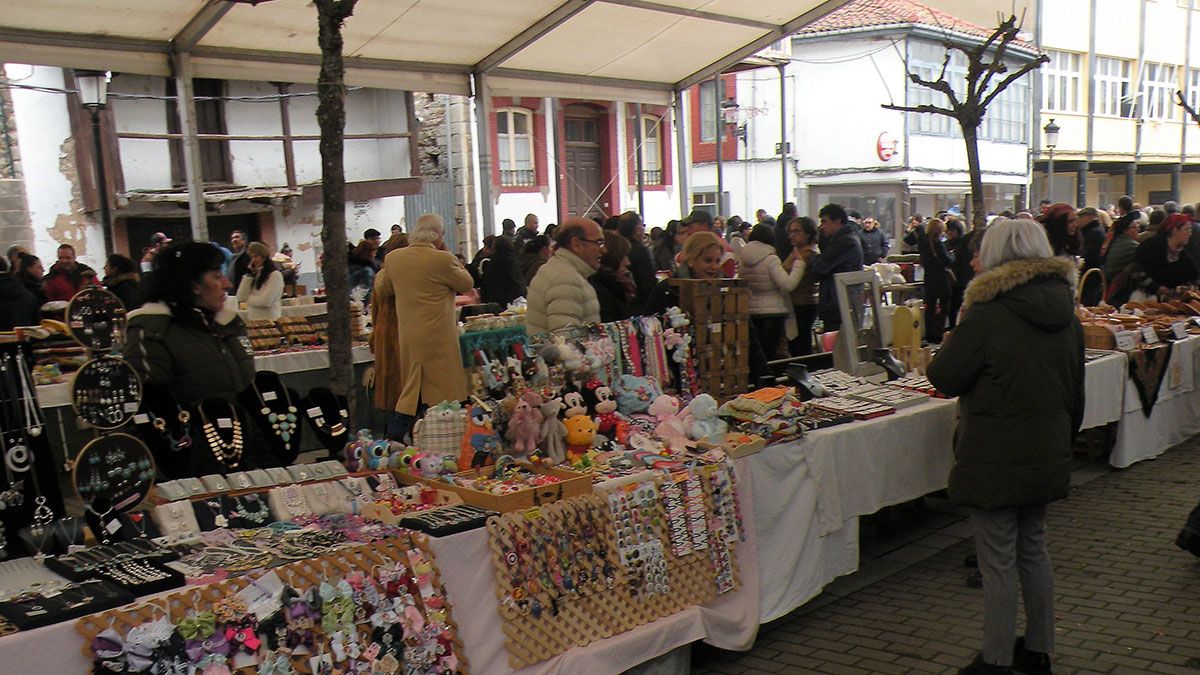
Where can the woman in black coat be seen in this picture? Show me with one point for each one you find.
(939, 280)
(1016, 363)
(121, 278)
(1160, 263)
(613, 283)
(502, 281)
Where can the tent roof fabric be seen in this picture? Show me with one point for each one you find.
(629, 49)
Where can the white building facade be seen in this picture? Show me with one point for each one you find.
(262, 176)
(843, 146)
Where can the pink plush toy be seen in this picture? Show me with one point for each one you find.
(672, 428)
(525, 424)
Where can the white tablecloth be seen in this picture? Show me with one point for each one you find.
(310, 309)
(59, 395)
(1176, 413)
(1104, 389)
(729, 622)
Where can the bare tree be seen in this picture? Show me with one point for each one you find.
(1187, 107)
(331, 116)
(984, 63)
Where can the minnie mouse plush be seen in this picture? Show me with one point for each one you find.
(603, 407)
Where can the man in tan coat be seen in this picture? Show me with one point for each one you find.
(422, 280)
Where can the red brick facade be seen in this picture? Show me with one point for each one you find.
(707, 152)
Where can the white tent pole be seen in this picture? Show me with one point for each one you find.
(483, 141)
(683, 158)
(193, 172)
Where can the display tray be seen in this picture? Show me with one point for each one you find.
(573, 484)
(384, 514)
(736, 445)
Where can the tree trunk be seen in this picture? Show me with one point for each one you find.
(331, 116)
(971, 138)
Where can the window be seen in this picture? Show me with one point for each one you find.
(651, 150)
(925, 59)
(1158, 92)
(1113, 96)
(709, 110)
(514, 136)
(1007, 115)
(1193, 87)
(1060, 82)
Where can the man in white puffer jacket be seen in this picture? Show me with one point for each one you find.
(560, 295)
(771, 313)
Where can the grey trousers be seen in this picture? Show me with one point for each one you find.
(1010, 544)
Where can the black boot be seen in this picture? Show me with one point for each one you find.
(981, 667)
(1028, 661)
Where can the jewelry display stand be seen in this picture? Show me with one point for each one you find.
(328, 416)
(168, 429)
(29, 482)
(96, 319)
(275, 410)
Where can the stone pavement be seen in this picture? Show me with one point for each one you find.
(1127, 600)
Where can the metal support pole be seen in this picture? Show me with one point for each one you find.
(637, 149)
(1050, 177)
(1081, 174)
(483, 141)
(683, 158)
(783, 136)
(1131, 180)
(1176, 177)
(720, 125)
(192, 170)
(101, 181)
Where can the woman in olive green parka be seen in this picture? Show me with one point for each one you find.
(1016, 363)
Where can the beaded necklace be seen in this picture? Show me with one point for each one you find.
(282, 423)
(229, 454)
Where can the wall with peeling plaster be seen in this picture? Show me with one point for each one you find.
(48, 161)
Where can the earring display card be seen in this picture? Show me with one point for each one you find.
(96, 318)
(171, 490)
(215, 483)
(72, 602)
(106, 392)
(280, 475)
(260, 478)
(117, 468)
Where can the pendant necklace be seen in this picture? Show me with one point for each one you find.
(282, 423)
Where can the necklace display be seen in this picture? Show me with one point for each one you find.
(227, 453)
(283, 421)
(258, 516)
(106, 392)
(185, 430)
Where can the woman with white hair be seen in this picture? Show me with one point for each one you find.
(422, 279)
(1016, 363)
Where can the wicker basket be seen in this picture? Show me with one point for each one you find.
(1098, 336)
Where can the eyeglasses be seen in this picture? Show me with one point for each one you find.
(598, 242)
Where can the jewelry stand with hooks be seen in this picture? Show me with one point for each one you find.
(29, 490)
(170, 430)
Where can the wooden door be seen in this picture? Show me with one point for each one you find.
(584, 182)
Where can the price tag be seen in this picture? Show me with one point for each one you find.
(533, 514)
(1126, 340)
(112, 526)
(315, 412)
(1149, 334)
(270, 395)
(131, 407)
(141, 418)
(1179, 329)
(224, 423)
(262, 597)
(344, 413)
(714, 328)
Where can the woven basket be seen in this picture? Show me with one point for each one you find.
(1096, 336)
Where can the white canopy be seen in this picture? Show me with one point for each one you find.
(630, 50)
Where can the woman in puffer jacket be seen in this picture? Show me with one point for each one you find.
(771, 315)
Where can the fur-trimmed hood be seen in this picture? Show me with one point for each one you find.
(222, 318)
(1041, 291)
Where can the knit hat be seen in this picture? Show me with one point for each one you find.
(1174, 222)
(258, 248)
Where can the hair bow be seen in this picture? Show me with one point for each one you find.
(198, 627)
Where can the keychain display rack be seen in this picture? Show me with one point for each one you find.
(301, 575)
(596, 608)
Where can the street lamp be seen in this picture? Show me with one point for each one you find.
(93, 94)
(1051, 131)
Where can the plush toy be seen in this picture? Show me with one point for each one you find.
(635, 394)
(428, 465)
(706, 426)
(479, 439)
(574, 402)
(376, 455)
(441, 429)
(581, 433)
(525, 423)
(553, 434)
(402, 456)
(672, 426)
(355, 451)
(603, 407)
